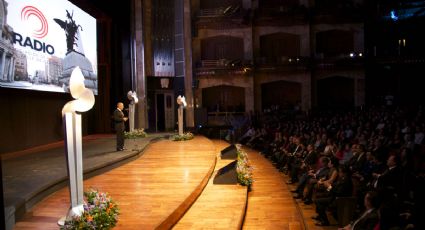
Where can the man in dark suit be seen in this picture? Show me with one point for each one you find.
(305, 162)
(370, 217)
(391, 180)
(389, 185)
(119, 120)
(358, 160)
(311, 175)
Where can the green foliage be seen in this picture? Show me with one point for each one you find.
(137, 133)
(185, 137)
(244, 168)
(100, 213)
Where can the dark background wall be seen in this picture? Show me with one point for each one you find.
(394, 67)
(32, 118)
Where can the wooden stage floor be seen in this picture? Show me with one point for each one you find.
(150, 191)
(171, 185)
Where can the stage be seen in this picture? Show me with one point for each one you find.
(170, 186)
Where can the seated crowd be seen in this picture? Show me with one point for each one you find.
(374, 158)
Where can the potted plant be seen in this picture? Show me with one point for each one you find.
(100, 213)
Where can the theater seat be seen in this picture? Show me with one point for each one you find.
(345, 209)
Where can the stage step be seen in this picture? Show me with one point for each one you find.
(219, 206)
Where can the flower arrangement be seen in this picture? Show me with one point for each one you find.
(137, 133)
(185, 137)
(100, 212)
(244, 168)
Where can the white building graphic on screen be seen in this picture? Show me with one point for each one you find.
(54, 69)
(7, 52)
(21, 70)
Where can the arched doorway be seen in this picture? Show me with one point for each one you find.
(222, 47)
(334, 42)
(224, 98)
(277, 47)
(285, 94)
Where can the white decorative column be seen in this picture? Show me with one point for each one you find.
(73, 137)
(12, 73)
(181, 101)
(131, 111)
(84, 101)
(2, 66)
(180, 119)
(132, 96)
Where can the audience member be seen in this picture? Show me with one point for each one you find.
(383, 151)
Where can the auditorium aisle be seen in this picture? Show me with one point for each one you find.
(270, 202)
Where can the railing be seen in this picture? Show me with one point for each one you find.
(211, 63)
(223, 64)
(298, 63)
(226, 114)
(339, 62)
(219, 12)
(399, 59)
(283, 60)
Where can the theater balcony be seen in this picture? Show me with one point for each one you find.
(282, 64)
(350, 61)
(408, 60)
(226, 17)
(222, 67)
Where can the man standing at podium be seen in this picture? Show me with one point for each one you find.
(119, 121)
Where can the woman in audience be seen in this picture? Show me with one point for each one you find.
(344, 154)
(341, 187)
(318, 181)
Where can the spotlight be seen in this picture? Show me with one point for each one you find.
(393, 15)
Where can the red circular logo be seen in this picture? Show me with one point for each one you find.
(30, 12)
